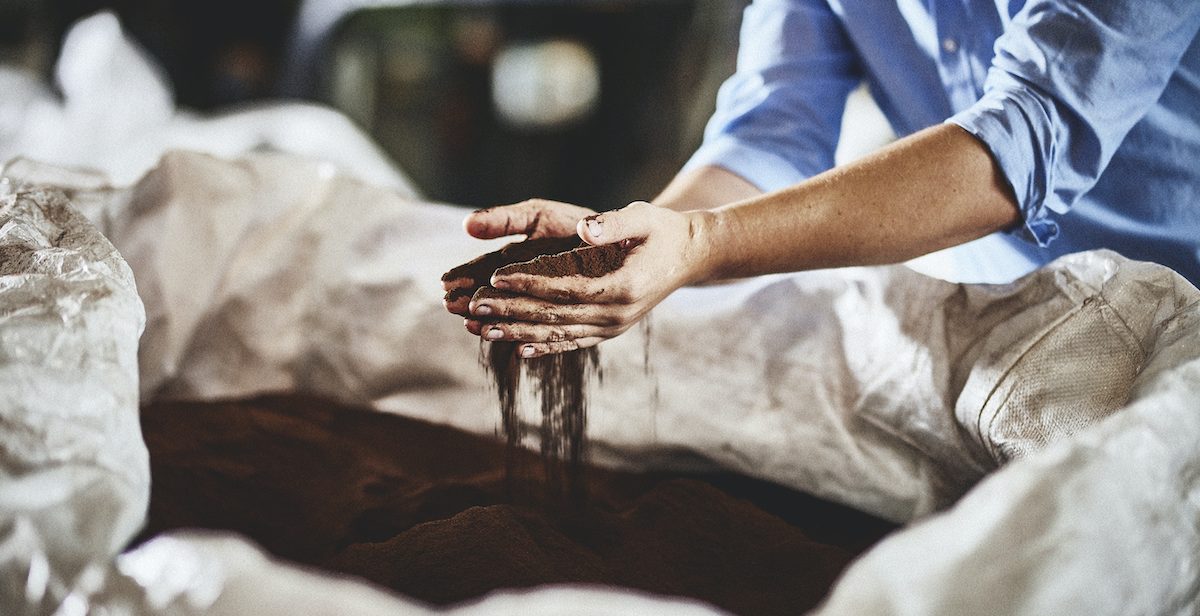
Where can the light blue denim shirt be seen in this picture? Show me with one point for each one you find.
(1090, 107)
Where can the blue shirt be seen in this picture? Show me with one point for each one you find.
(1090, 107)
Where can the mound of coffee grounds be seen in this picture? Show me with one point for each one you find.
(427, 511)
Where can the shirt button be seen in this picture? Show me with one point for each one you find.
(949, 45)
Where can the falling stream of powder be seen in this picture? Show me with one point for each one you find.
(560, 380)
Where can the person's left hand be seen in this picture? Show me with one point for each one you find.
(667, 250)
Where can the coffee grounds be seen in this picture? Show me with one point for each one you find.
(466, 279)
(426, 510)
(589, 261)
(492, 293)
(458, 293)
(560, 379)
(478, 272)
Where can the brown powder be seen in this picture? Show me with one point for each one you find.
(426, 510)
(479, 271)
(590, 261)
(560, 380)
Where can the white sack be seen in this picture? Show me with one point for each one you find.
(74, 472)
(218, 574)
(876, 387)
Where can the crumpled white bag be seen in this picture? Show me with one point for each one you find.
(876, 387)
(74, 472)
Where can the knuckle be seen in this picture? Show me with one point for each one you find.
(623, 294)
(612, 318)
(566, 345)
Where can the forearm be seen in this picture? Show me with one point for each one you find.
(705, 188)
(935, 189)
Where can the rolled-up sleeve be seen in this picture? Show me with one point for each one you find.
(1068, 81)
(778, 117)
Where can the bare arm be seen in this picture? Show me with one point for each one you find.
(705, 188)
(937, 188)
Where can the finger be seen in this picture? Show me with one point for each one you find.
(457, 282)
(629, 224)
(474, 326)
(460, 306)
(529, 351)
(539, 332)
(511, 307)
(530, 217)
(458, 300)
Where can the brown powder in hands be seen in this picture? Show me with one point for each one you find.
(560, 380)
(589, 261)
(479, 271)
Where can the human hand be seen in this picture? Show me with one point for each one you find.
(549, 227)
(657, 250)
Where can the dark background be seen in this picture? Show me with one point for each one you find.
(660, 64)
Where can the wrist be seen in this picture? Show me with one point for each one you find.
(703, 254)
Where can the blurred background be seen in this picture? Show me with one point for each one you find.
(596, 102)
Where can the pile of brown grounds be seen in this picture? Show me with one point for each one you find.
(427, 511)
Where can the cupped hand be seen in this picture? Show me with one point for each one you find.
(536, 219)
(665, 250)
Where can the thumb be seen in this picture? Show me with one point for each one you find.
(631, 224)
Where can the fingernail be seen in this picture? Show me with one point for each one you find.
(595, 229)
(527, 351)
(483, 311)
(494, 334)
(501, 284)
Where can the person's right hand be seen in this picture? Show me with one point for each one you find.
(533, 218)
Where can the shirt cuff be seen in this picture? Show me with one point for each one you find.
(999, 119)
(761, 168)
